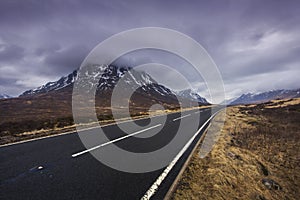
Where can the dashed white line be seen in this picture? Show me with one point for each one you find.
(151, 191)
(181, 117)
(75, 131)
(199, 111)
(72, 132)
(115, 140)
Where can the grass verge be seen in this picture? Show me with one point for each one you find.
(256, 156)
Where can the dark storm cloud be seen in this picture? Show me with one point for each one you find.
(66, 59)
(246, 39)
(46, 50)
(11, 52)
(7, 81)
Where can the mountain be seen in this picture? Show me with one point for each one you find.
(190, 94)
(50, 105)
(144, 89)
(51, 86)
(250, 98)
(110, 75)
(4, 96)
(228, 101)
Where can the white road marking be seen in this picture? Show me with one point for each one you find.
(198, 111)
(72, 132)
(115, 140)
(151, 191)
(181, 117)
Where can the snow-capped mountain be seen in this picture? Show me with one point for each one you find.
(132, 79)
(266, 96)
(190, 94)
(108, 76)
(4, 96)
(50, 86)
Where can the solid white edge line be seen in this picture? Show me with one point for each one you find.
(181, 117)
(115, 140)
(151, 191)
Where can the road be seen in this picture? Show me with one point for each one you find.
(61, 168)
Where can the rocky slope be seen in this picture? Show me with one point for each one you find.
(190, 94)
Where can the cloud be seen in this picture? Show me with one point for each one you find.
(267, 81)
(11, 52)
(46, 50)
(248, 40)
(67, 59)
(271, 52)
(31, 81)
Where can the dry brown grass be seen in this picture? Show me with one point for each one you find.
(50, 113)
(256, 143)
(43, 128)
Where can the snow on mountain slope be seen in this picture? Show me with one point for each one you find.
(266, 96)
(106, 77)
(50, 86)
(190, 94)
(4, 96)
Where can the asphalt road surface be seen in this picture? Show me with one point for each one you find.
(61, 167)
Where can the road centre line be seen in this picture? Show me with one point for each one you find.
(198, 111)
(74, 131)
(115, 140)
(181, 117)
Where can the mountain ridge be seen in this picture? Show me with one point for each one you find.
(109, 77)
(191, 94)
(5, 96)
(262, 97)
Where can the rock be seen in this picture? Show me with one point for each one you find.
(263, 169)
(259, 197)
(271, 184)
(235, 142)
(234, 156)
(232, 133)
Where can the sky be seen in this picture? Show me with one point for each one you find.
(255, 44)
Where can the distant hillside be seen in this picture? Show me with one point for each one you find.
(4, 96)
(190, 94)
(50, 106)
(110, 76)
(266, 96)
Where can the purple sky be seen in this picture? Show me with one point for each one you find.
(255, 44)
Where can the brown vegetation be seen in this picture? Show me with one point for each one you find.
(50, 113)
(256, 156)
